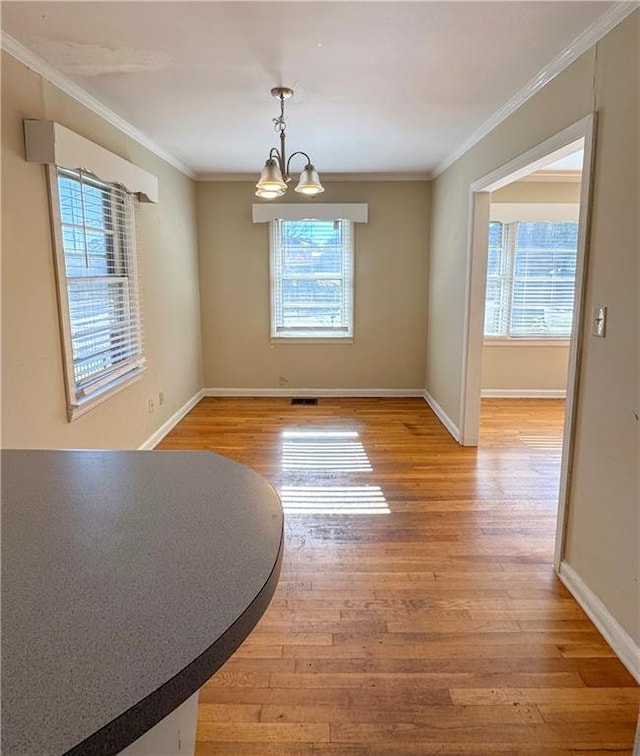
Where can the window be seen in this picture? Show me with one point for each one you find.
(531, 274)
(312, 279)
(97, 286)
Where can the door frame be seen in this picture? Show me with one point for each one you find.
(553, 148)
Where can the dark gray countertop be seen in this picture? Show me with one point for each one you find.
(128, 578)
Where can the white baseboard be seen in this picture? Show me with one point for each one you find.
(157, 436)
(336, 393)
(442, 415)
(524, 393)
(612, 631)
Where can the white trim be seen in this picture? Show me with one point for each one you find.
(473, 324)
(612, 631)
(580, 132)
(326, 177)
(442, 415)
(554, 177)
(280, 340)
(356, 212)
(58, 79)
(554, 148)
(51, 143)
(523, 393)
(117, 380)
(577, 338)
(157, 436)
(494, 341)
(313, 392)
(590, 36)
(74, 411)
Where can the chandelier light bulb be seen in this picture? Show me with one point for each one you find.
(269, 193)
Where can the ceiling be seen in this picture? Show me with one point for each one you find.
(380, 87)
(572, 162)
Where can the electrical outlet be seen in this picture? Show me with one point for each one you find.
(150, 405)
(160, 398)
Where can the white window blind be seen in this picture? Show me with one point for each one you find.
(311, 279)
(531, 273)
(98, 285)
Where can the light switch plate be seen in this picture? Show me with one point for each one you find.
(599, 321)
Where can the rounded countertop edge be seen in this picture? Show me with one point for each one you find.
(149, 711)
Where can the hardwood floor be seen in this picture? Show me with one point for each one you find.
(418, 611)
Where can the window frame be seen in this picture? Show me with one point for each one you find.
(280, 335)
(119, 378)
(508, 278)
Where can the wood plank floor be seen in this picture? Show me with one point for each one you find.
(418, 611)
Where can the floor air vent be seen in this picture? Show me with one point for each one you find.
(303, 400)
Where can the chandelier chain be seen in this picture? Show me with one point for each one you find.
(280, 123)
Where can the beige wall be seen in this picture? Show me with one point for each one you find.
(523, 367)
(603, 529)
(390, 294)
(33, 394)
(538, 192)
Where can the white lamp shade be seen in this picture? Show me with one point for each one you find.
(271, 178)
(309, 182)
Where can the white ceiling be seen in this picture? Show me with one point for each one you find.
(382, 87)
(572, 162)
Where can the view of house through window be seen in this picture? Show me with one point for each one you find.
(531, 272)
(98, 296)
(311, 279)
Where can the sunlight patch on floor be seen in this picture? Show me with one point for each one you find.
(319, 456)
(339, 451)
(333, 500)
(550, 443)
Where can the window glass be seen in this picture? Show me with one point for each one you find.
(312, 279)
(102, 338)
(531, 279)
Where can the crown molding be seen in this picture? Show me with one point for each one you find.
(58, 79)
(391, 176)
(543, 176)
(589, 37)
(326, 177)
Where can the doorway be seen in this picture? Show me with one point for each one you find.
(578, 136)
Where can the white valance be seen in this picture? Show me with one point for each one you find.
(50, 142)
(534, 212)
(356, 212)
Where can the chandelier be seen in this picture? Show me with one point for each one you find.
(275, 174)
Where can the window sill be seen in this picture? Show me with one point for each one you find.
(312, 339)
(74, 411)
(527, 342)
